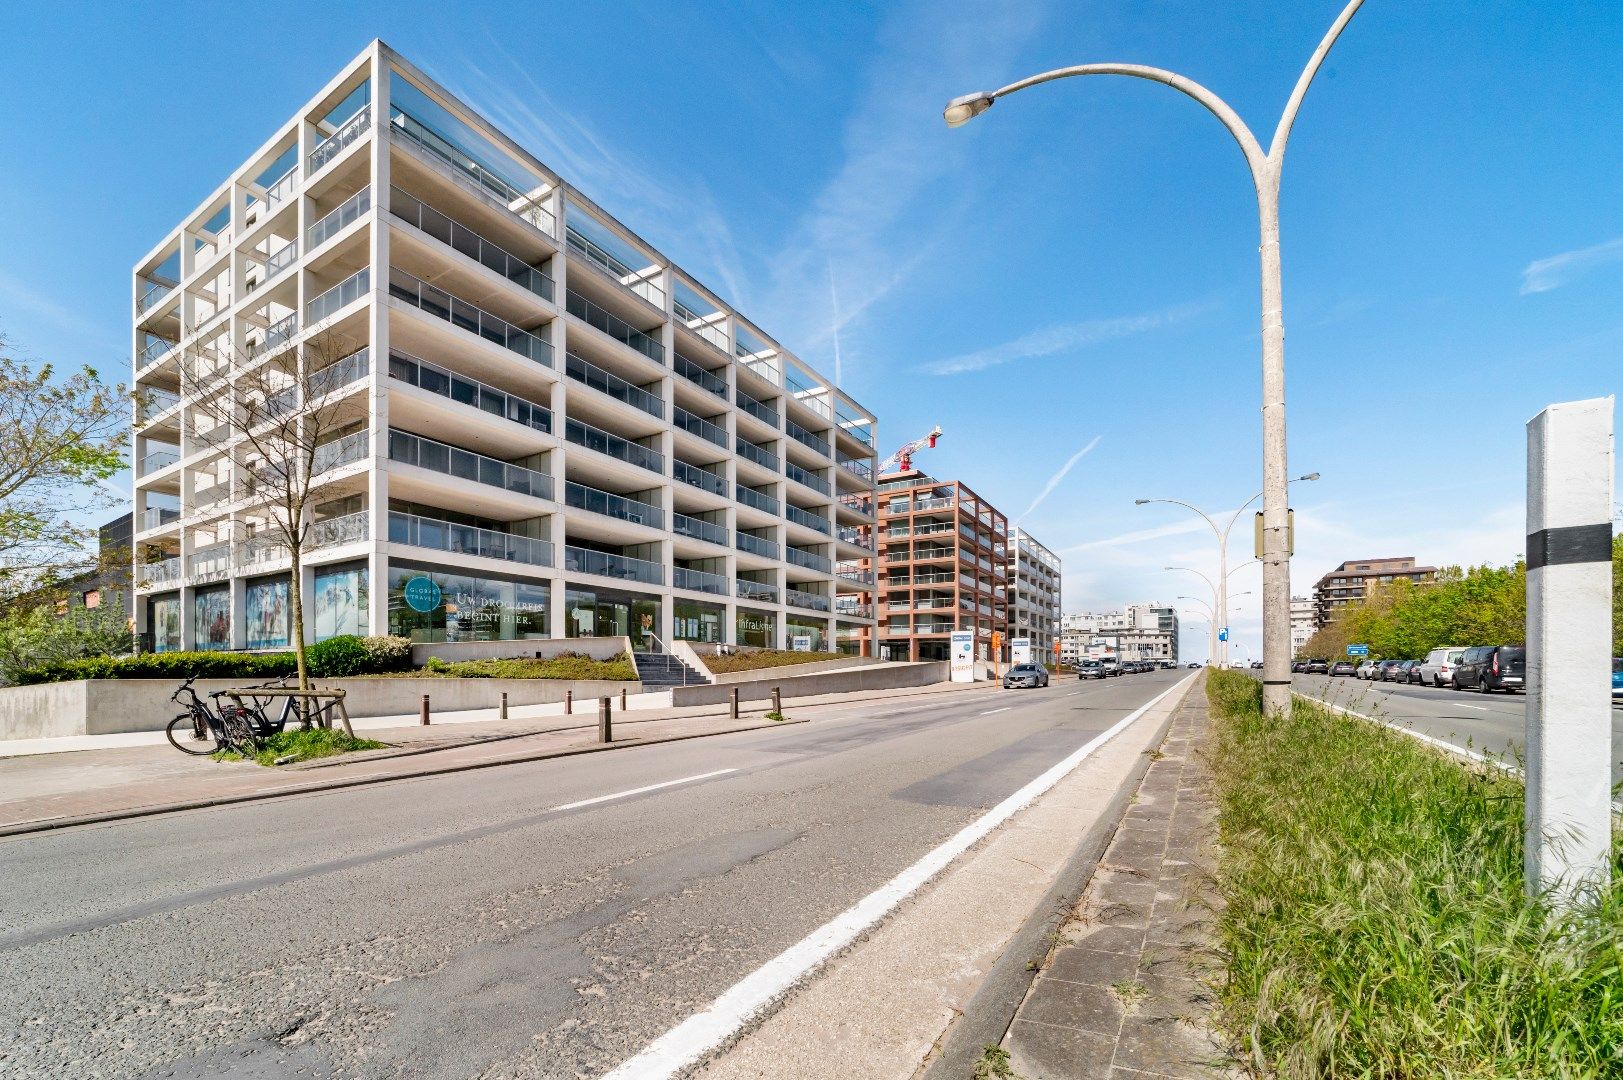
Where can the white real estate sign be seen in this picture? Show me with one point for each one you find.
(963, 656)
(1020, 650)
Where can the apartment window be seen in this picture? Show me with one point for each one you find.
(341, 601)
(91, 598)
(265, 614)
(211, 619)
(756, 628)
(164, 617)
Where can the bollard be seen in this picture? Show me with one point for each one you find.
(622, 699)
(605, 721)
(734, 712)
(569, 702)
(422, 717)
(777, 701)
(504, 704)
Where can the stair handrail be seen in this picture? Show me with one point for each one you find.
(666, 650)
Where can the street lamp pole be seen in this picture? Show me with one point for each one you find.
(1265, 169)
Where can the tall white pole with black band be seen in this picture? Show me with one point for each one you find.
(1569, 635)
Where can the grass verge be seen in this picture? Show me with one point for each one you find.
(303, 746)
(1376, 924)
(573, 666)
(765, 658)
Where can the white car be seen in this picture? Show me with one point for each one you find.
(1437, 668)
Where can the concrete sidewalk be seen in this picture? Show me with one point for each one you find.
(54, 789)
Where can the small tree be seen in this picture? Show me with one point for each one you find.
(275, 415)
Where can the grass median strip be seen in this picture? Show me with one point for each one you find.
(302, 745)
(1376, 924)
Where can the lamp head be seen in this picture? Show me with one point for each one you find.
(1309, 476)
(1142, 502)
(961, 110)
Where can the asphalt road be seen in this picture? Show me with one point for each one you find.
(1488, 723)
(484, 924)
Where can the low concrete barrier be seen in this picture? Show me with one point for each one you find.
(108, 706)
(598, 648)
(878, 676)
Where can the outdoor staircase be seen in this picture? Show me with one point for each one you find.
(661, 671)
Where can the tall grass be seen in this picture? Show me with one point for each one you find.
(1375, 919)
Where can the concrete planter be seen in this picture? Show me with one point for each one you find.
(878, 676)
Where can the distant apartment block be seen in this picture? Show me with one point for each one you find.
(1304, 621)
(1146, 631)
(1034, 594)
(1349, 582)
(942, 566)
(551, 430)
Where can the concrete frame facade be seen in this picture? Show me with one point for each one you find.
(541, 400)
(1034, 575)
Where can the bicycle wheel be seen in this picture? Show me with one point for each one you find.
(239, 732)
(191, 736)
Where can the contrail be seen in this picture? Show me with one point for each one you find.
(1053, 481)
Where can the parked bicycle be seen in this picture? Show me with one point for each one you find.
(239, 723)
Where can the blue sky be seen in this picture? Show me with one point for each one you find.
(1075, 268)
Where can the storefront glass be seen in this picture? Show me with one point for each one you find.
(608, 613)
(805, 635)
(341, 601)
(694, 621)
(428, 605)
(265, 609)
(757, 628)
(211, 619)
(165, 622)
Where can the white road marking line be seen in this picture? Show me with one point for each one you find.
(702, 1032)
(989, 712)
(639, 791)
(1478, 708)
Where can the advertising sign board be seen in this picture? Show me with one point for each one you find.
(963, 656)
(1020, 650)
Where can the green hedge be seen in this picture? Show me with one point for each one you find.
(569, 665)
(335, 658)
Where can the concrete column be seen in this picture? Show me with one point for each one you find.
(1569, 631)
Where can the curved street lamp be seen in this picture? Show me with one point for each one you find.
(1265, 167)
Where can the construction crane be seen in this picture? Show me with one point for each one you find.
(902, 460)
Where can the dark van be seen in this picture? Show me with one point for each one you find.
(1486, 668)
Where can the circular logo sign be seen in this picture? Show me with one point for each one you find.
(422, 594)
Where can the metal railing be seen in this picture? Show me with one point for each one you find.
(755, 590)
(698, 425)
(810, 601)
(807, 518)
(614, 326)
(810, 479)
(357, 365)
(458, 236)
(605, 382)
(441, 457)
(426, 532)
(751, 497)
(347, 132)
(337, 219)
(476, 320)
(758, 454)
(611, 505)
(345, 451)
(624, 276)
(615, 447)
(755, 545)
(448, 384)
(340, 296)
(347, 529)
(758, 409)
(806, 438)
(698, 529)
(516, 201)
(703, 479)
(587, 561)
(698, 581)
(808, 559)
(700, 377)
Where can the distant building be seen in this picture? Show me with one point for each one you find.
(1034, 583)
(1137, 632)
(1349, 583)
(1303, 622)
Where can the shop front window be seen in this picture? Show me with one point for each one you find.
(341, 601)
(806, 636)
(211, 619)
(427, 605)
(695, 621)
(165, 621)
(265, 609)
(606, 613)
(757, 628)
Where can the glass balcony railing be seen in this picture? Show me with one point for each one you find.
(853, 535)
(703, 479)
(439, 457)
(285, 257)
(806, 438)
(347, 132)
(475, 320)
(584, 371)
(755, 545)
(357, 365)
(751, 497)
(161, 572)
(809, 560)
(614, 326)
(210, 562)
(158, 459)
(208, 496)
(810, 479)
(698, 425)
(847, 609)
(934, 504)
(756, 590)
(261, 549)
(700, 377)
(155, 402)
(151, 294)
(808, 519)
(758, 409)
(282, 188)
(456, 235)
(345, 451)
(853, 572)
(698, 529)
(587, 561)
(156, 517)
(426, 532)
(447, 384)
(627, 278)
(153, 349)
(279, 333)
(698, 581)
(615, 447)
(516, 201)
(340, 296)
(611, 505)
(758, 454)
(860, 469)
(808, 600)
(338, 219)
(348, 529)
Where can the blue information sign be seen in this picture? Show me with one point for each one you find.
(1357, 650)
(1223, 634)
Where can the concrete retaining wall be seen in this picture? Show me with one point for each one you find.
(695, 657)
(598, 648)
(879, 676)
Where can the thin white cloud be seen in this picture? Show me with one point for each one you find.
(1542, 275)
(1054, 481)
(1070, 337)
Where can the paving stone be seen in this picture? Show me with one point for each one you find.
(1074, 963)
(1045, 1052)
(1120, 939)
(1084, 1006)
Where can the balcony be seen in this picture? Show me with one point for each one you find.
(810, 479)
(751, 497)
(933, 628)
(162, 572)
(756, 590)
(848, 610)
(465, 163)
(698, 529)
(442, 305)
(860, 504)
(758, 454)
(154, 349)
(703, 479)
(155, 403)
(700, 377)
(455, 235)
(583, 371)
(153, 292)
(758, 409)
(851, 534)
(810, 601)
(586, 561)
(611, 505)
(630, 280)
(437, 380)
(278, 333)
(282, 188)
(208, 496)
(350, 130)
(439, 457)
(614, 326)
(348, 450)
(338, 297)
(696, 425)
(809, 560)
(156, 517)
(808, 519)
(698, 581)
(285, 257)
(210, 563)
(755, 545)
(439, 535)
(612, 445)
(347, 529)
(357, 365)
(261, 549)
(853, 573)
(860, 469)
(158, 459)
(710, 330)
(807, 439)
(339, 218)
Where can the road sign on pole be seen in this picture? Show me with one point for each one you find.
(1357, 650)
(1222, 633)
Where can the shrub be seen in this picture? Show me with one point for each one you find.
(165, 665)
(386, 654)
(337, 658)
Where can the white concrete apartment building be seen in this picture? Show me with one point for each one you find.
(1034, 594)
(553, 431)
(1146, 631)
(1304, 622)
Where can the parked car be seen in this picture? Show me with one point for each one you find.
(1111, 665)
(1298, 666)
(1256, 665)
(1366, 670)
(1025, 675)
(1486, 668)
(1617, 676)
(1344, 667)
(1090, 669)
(1384, 670)
(1409, 671)
(1317, 667)
(1438, 666)
(1195, 664)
